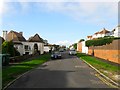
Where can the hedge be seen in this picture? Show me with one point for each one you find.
(100, 41)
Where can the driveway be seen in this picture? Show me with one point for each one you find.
(68, 72)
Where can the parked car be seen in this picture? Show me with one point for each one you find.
(72, 52)
(56, 55)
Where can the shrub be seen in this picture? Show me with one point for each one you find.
(8, 48)
(81, 40)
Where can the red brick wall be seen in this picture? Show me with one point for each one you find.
(110, 52)
(79, 47)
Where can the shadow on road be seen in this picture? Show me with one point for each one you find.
(43, 78)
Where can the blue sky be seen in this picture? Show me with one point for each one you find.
(59, 22)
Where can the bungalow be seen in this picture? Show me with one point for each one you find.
(33, 45)
(101, 33)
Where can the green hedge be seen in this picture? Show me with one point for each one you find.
(100, 41)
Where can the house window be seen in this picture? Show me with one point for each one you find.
(26, 47)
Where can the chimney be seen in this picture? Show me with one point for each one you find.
(21, 33)
(5, 35)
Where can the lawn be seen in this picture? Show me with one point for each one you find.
(11, 72)
(106, 68)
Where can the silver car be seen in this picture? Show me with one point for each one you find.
(72, 52)
(56, 55)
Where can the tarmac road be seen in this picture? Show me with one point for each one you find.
(68, 72)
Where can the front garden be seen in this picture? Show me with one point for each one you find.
(11, 72)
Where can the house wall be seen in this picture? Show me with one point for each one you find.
(41, 47)
(82, 48)
(79, 47)
(94, 36)
(31, 45)
(117, 32)
(19, 47)
(100, 35)
(110, 52)
(46, 48)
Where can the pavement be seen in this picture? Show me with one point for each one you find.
(68, 72)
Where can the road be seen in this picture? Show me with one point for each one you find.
(68, 72)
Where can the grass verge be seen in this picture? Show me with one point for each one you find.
(11, 72)
(104, 67)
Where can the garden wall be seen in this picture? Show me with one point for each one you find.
(110, 52)
(22, 58)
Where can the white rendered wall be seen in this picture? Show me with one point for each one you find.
(84, 48)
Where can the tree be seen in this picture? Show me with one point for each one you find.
(8, 48)
(75, 45)
(81, 40)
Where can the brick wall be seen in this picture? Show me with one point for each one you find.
(110, 52)
(79, 47)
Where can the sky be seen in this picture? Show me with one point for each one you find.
(62, 22)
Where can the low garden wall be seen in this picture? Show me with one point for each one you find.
(110, 52)
(21, 58)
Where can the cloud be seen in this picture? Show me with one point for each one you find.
(99, 12)
(77, 9)
(5, 8)
(66, 42)
(62, 0)
(25, 5)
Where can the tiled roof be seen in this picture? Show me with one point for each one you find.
(35, 38)
(89, 36)
(104, 31)
(15, 36)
